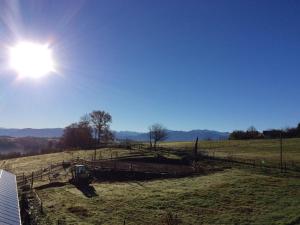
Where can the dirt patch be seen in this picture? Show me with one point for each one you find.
(158, 160)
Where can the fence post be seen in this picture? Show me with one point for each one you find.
(285, 167)
(42, 211)
(196, 148)
(281, 151)
(32, 180)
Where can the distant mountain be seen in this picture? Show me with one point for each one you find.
(175, 135)
(136, 136)
(29, 132)
(127, 134)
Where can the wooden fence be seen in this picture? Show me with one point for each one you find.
(49, 171)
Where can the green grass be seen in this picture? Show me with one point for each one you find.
(233, 196)
(261, 150)
(229, 197)
(32, 163)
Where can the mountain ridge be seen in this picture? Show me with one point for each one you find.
(173, 135)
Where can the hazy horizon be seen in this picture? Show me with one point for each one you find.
(114, 130)
(146, 131)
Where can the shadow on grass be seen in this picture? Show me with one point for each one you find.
(88, 190)
(51, 185)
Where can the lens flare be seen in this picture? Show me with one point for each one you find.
(31, 60)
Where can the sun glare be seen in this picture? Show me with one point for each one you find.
(31, 59)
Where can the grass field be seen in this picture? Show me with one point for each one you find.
(261, 150)
(266, 150)
(228, 197)
(32, 163)
(231, 196)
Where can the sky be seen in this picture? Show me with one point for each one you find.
(219, 65)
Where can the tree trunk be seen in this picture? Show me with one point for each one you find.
(150, 140)
(196, 148)
(95, 137)
(99, 135)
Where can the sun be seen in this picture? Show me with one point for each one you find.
(31, 60)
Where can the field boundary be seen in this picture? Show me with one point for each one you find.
(255, 163)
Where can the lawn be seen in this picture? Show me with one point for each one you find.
(229, 197)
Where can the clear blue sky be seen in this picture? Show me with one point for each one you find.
(220, 65)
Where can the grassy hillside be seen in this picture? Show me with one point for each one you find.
(261, 150)
(267, 150)
(32, 163)
(231, 196)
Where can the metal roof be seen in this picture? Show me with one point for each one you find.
(9, 201)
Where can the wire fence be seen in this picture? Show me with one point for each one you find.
(285, 166)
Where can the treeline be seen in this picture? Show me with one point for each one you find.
(27, 144)
(11, 155)
(287, 133)
(252, 133)
(92, 130)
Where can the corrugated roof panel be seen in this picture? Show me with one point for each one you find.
(9, 201)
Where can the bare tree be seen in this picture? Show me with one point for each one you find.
(150, 136)
(157, 132)
(252, 129)
(85, 120)
(108, 136)
(101, 121)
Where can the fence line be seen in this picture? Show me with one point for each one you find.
(257, 163)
